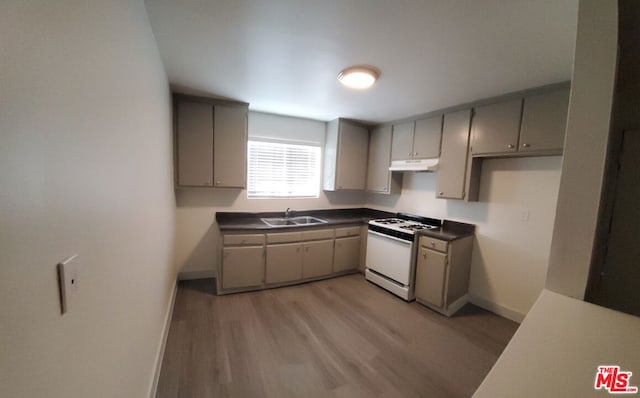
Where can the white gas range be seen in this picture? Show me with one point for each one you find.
(391, 253)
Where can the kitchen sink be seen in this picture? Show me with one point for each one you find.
(292, 221)
(278, 222)
(307, 220)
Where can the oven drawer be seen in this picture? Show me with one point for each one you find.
(434, 244)
(389, 256)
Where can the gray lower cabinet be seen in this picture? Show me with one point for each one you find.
(242, 267)
(284, 263)
(252, 261)
(242, 261)
(442, 273)
(347, 254)
(430, 276)
(453, 158)
(317, 259)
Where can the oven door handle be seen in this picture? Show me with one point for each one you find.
(406, 242)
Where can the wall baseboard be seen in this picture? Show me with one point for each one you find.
(187, 275)
(496, 308)
(163, 342)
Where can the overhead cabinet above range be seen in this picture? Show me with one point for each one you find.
(418, 139)
(210, 142)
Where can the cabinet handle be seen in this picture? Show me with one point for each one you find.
(218, 182)
(409, 154)
(510, 146)
(306, 249)
(526, 145)
(415, 154)
(424, 254)
(440, 193)
(298, 249)
(433, 244)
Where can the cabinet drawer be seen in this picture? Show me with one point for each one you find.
(245, 239)
(284, 237)
(347, 231)
(434, 244)
(318, 234)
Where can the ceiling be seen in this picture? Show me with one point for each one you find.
(283, 56)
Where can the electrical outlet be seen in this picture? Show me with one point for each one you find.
(68, 281)
(524, 215)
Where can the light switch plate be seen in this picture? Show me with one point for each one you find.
(68, 281)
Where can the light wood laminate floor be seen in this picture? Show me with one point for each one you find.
(341, 337)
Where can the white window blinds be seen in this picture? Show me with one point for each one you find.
(282, 170)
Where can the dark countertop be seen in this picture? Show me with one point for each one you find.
(235, 221)
(228, 221)
(451, 230)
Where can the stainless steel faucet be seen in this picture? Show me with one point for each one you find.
(288, 212)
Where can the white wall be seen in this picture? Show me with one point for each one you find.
(197, 232)
(85, 167)
(510, 256)
(588, 127)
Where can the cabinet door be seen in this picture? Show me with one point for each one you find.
(402, 144)
(544, 120)
(353, 149)
(284, 263)
(496, 128)
(426, 138)
(453, 159)
(230, 146)
(194, 143)
(347, 254)
(242, 266)
(378, 174)
(317, 258)
(430, 276)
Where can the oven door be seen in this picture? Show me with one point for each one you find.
(389, 256)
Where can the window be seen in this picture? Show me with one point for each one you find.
(277, 170)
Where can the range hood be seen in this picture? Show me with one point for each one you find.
(414, 165)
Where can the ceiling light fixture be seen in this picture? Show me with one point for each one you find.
(359, 77)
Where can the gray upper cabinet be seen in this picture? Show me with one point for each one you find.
(453, 157)
(426, 138)
(402, 146)
(417, 140)
(211, 141)
(544, 120)
(194, 144)
(346, 150)
(230, 146)
(379, 178)
(496, 128)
